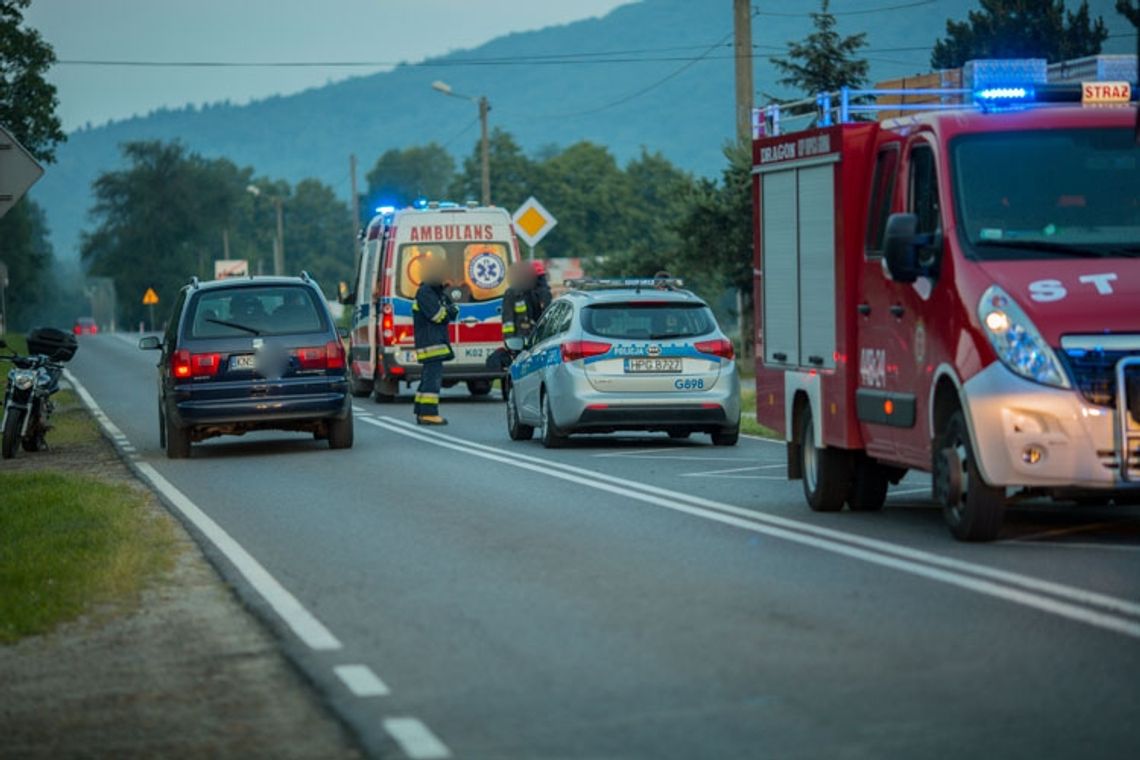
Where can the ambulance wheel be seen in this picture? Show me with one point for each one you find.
(384, 391)
(360, 388)
(478, 387)
(826, 471)
(340, 433)
(516, 429)
(869, 484)
(550, 435)
(972, 508)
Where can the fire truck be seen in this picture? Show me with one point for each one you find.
(478, 244)
(955, 289)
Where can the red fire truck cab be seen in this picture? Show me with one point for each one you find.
(954, 291)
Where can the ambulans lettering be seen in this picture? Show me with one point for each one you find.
(438, 233)
(873, 367)
(1046, 291)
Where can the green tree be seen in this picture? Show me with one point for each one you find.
(824, 61)
(318, 234)
(1020, 29)
(25, 249)
(160, 220)
(1130, 9)
(402, 175)
(512, 173)
(27, 100)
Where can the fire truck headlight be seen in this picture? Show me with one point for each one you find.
(1016, 340)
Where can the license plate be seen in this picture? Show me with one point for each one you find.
(241, 362)
(473, 353)
(667, 365)
(408, 357)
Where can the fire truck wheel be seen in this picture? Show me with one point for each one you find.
(868, 486)
(515, 429)
(826, 471)
(973, 509)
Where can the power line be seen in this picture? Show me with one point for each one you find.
(860, 12)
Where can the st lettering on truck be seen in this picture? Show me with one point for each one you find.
(477, 243)
(955, 290)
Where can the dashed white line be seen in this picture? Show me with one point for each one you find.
(731, 470)
(415, 739)
(361, 681)
(302, 622)
(905, 491)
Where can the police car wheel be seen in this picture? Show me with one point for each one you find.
(516, 429)
(973, 509)
(826, 471)
(726, 437)
(551, 438)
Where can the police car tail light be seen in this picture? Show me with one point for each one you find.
(572, 350)
(718, 347)
(1016, 340)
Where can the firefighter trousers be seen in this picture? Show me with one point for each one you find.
(427, 394)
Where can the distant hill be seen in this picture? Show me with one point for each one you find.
(557, 85)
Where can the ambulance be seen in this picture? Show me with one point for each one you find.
(477, 243)
(954, 290)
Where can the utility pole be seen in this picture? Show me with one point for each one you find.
(742, 45)
(279, 249)
(485, 148)
(226, 244)
(355, 204)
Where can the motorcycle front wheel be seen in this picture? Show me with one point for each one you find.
(12, 434)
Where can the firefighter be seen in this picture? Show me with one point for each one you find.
(540, 295)
(432, 311)
(517, 321)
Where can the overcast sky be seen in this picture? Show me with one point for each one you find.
(258, 30)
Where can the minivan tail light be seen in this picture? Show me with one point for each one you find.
(572, 350)
(335, 352)
(721, 347)
(184, 364)
(328, 356)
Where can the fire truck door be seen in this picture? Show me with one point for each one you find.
(892, 399)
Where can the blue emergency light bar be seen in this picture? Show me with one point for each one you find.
(624, 283)
(385, 209)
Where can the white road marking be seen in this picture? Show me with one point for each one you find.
(415, 739)
(361, 681)
(962, 574)
(764, 439)
(1076, 545)
(731, 470)
(1059, 532)
(636, 451)
(905, 491)
(302, 622)
(682, 458)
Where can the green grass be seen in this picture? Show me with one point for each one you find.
(748, 423)
(71, 544)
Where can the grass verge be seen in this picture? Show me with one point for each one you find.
(748, 423)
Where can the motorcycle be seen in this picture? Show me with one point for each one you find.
(32, 381)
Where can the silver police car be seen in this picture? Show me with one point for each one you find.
(625, 355)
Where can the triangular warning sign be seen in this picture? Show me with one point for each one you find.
(150, 298)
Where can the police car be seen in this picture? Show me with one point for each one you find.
(615, 355)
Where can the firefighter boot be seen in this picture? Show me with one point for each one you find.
(430, 419)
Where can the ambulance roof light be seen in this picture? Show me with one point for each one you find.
(420, 203)
(385, 209)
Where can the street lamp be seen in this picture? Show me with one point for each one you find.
(279, 241)
(484, 109)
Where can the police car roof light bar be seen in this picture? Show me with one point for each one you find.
(624, 283)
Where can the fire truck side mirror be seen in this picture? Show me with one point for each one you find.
(342, 293)
(900, 251)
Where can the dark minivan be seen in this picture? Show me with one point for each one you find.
(259, 353)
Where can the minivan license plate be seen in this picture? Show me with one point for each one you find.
(241, 362)
(667, 365)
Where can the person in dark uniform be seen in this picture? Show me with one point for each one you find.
(432, 312)
(517, 321)
(539, 296)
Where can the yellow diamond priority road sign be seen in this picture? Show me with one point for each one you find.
(532, 221)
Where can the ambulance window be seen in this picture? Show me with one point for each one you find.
(924, 190)
(882, 193)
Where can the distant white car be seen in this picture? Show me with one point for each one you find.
(615, 355)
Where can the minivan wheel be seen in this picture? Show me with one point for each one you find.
(825, 470)
(551, 437)
(973, 509)
(161, 427)
(340, 433)
(177, 441)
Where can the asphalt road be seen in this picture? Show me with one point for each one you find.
(640, 597)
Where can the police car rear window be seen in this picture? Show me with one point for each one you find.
(270, 310)
(648, 320)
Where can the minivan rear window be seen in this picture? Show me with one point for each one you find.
(649, 320)
(252, 310)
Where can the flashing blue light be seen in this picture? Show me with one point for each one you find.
(385, 209)
(420, 203)
(1004, 94)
